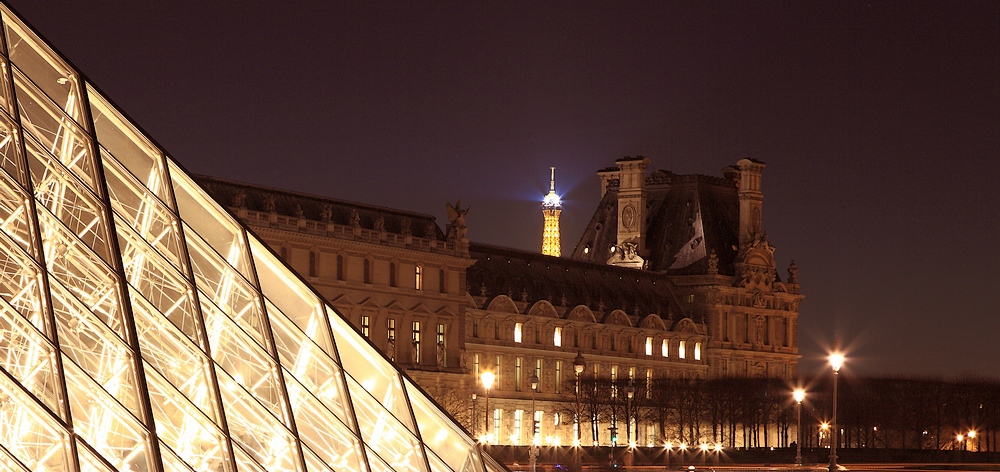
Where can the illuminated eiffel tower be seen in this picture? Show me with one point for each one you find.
(143, 328)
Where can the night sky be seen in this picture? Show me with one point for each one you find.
(879, 123)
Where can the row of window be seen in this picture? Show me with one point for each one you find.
(613, 340)
(416, 340)
(522, 383)
(368, 272)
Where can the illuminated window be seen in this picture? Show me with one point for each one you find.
(558, 376)
(391, 330)
(631, 374)
(475, 366)
(441, 345)
(649, 345)
(538, 373)
(418, 277)
(365, 320)
(497, 373)
(517, 332)
(416, 342)
(536, 427)
(497, 416)
(614, 373)
(556, 418)
(690, 298)
(392, 274)
(517, 374)
(649, 383)
(681, 347)
(665, 348)
(516, 437)
(557, 337)
(697, 351)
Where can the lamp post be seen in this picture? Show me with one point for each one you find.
(475, 424)
(629, 392)
(578, 365)
(488, 378)
(836, 361)
(971, 436)
(533, 453)
(799, 396)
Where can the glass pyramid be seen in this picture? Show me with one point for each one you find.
(142, 328)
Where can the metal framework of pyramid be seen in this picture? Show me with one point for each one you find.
(142, 328)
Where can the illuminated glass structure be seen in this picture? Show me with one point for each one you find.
(142, 328)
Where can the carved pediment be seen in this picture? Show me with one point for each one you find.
(581, 313)
(755, 266)
(503, 304)
(617, 317)
(544, 309)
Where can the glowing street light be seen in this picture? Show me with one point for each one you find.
(534, 422)
(578, 365)
(836, 361)
(488, 378)
(799, 395)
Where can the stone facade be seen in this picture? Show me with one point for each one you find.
(674, 277)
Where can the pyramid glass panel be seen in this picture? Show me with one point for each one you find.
(143, 328)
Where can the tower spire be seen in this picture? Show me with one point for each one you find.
(551, 207)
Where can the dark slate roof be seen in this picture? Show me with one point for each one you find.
(529, 277)
(673, 203)
(290, 203)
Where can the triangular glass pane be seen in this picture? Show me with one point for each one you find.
(384, 433)
(44, 66)
(15, 221)
(211, 222)
(371, 370)
(256, 429)
(128, 146)
(27, 356)
(11, 159)
(334, 442)
(297, 301)
(438, 432)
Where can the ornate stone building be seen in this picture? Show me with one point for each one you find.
(673, 277)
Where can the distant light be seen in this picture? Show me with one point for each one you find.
(836, 360)
(799, 395)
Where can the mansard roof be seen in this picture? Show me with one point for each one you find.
(313, 207)
(528, 277)
(687, 217)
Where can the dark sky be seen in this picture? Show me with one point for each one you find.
(879, 122)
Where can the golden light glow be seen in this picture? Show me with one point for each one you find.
(972, 434)
(703, 447)
(799, 395)
(836, 361)
(487, 378)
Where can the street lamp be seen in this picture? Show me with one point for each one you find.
(488, 379)
(534, 421)
(578, 365)
(629, 392)
(836, 361)
(799, 395)
(971, 435)
(475, 424)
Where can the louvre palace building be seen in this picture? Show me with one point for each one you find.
(673, 278)
(151, 320)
